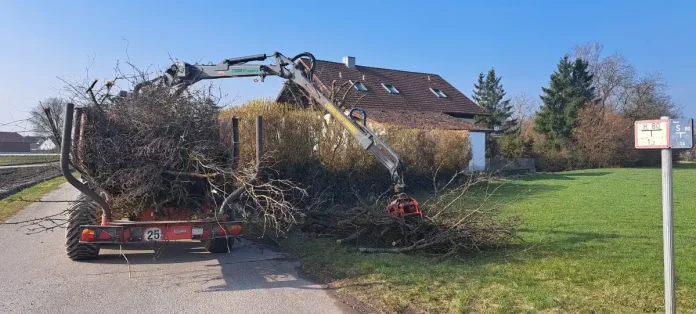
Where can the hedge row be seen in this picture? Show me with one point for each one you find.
(308, 147)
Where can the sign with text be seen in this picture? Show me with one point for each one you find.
(652, 134)
(681, 133)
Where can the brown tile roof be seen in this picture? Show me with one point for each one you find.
(421, 119)
(414, 97)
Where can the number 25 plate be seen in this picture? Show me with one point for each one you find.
(153, 234)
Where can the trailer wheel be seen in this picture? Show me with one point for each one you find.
(83, 212)
(218, 245)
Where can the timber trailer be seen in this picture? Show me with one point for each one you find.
(86, 231)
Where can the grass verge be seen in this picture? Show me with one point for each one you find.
(592, 244)
(10, 205)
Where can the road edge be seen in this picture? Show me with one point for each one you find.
(345, 299)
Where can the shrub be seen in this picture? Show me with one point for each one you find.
(554, 160)
(324, 156)
(287, 131)
(513, 146)
(604, 138)
(549, 156)
(452, 150)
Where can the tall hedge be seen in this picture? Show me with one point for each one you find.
(318, 152)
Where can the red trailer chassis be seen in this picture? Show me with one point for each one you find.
(121, 231)
(146, 229)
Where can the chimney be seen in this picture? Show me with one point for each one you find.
(349, 62)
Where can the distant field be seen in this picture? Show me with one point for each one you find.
(13, 204)
(11, 160)
(592, 244)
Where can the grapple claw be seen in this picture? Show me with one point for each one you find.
(404, 206)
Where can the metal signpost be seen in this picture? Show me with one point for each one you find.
(666, 134)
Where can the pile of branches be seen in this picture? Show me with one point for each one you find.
(156, 150)
(269, 202)
(451, 223)
(160, 150)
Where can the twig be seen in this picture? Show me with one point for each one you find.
(22, 199)
(120, 252)
(398, 250)
(190, 174)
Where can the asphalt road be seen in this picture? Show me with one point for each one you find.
(37, 277)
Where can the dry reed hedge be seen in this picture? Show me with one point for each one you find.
(287, 132)
(307, 149)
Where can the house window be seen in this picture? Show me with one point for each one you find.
(390, 88)
(438, 93)
(359, 86)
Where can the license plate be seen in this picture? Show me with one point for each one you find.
(196, 231)
(153, 234)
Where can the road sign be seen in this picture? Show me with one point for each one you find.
(652, 134)
(660, 134)
(681, 133)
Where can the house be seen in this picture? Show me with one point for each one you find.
(35, 142)
(46, 145)
(40, 144)
(402, 98)
(13, 142)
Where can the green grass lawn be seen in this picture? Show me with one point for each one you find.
(11, 205)
(10, 160)
(592, 243)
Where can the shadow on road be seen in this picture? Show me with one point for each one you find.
(248, 266)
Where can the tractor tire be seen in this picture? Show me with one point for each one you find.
(218, 245)
(83, 212)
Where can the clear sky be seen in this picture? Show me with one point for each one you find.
(523, 40)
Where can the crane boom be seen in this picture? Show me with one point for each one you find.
(182, 75)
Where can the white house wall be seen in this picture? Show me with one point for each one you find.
(478, 151)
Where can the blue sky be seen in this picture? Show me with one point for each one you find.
(523, 40)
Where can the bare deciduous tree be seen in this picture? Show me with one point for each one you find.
(524, 106)
(648, 99)
(47, 115)
(613, 76)
(620, 89)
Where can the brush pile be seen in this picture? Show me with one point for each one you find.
(451, 223)
(155, 150)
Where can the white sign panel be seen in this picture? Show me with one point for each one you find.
(652, 134)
